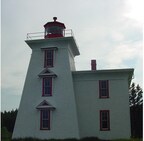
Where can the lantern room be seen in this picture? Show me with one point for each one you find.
(54, 29)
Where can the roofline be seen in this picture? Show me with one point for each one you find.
(49, 24)
(71, 39)
(130, 71)
(104, 71)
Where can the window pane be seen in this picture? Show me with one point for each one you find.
(47, 82)
(49, 58)
(103, 89)
(45, 119)
(104, 116)
(47, 86)
(45, 114)
(104, 119)
(49, 53)
(45, 124)
(47, 90)
(104, 124)
(103, 84)
(103, 92)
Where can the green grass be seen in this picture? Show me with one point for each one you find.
(84, 139)
(132, 139)
(6, 136)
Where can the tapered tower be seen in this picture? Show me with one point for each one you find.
(48, 107)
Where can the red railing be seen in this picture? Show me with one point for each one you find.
(41, 35)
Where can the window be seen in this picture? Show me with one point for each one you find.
(45, 119)
(104, 120)
(103, 89)
(47, 86)
(48, 58)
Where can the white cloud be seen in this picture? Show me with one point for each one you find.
(118, 55)
(135, 10)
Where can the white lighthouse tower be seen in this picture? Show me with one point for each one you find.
(48, 107)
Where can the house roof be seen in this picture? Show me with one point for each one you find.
(128, 71)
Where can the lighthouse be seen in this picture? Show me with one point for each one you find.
(59, 102)
(48, 107)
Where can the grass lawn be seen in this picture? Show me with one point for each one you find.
(85, 139)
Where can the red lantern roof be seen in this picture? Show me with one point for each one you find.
(54, 23)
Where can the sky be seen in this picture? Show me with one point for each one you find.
(109, 31)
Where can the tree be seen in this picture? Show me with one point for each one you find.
(136, 110)
(135, 97)
(8, 119)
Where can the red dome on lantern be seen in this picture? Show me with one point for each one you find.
(54, 29)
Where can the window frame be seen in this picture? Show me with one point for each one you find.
(42, 120)
(44, 86)
(106, 120)
(48, 60)
(106, 89)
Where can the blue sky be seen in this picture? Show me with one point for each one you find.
(109, 31)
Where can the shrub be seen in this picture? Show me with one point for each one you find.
(5, 135)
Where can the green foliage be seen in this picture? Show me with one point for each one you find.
(8, 119)
(135, 95)
(136, 113)
(136, 110)
(5, 135)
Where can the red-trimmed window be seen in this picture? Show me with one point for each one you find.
(103, 88)
(45, 119)
(104, 120)
(48, 58)
(47, 86)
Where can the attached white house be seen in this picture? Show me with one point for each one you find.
(60, 102)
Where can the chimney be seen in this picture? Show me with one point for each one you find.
(93, 64)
